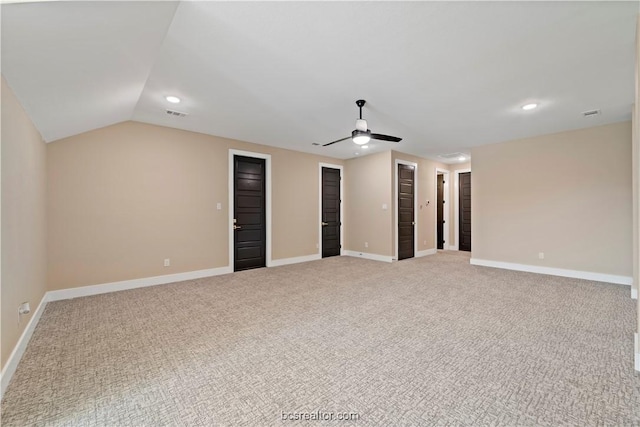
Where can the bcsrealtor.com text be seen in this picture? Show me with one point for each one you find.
(320, 416)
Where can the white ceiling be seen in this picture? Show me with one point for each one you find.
(444, 76)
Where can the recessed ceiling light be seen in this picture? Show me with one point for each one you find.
(172, 99)
(365, 147)
(356, 153)
(462, 158)
(529, 106)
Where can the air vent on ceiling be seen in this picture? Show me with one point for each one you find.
(452, 156)
(176, 113)
(591, 113)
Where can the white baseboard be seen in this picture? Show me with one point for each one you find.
(452, 248)
(374, 257)
(124, 285)
(294, 260)
(634, 293)
(426, 252)
(636, 347)
(12, 363)
(576, 274)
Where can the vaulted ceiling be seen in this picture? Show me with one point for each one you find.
(444, 76)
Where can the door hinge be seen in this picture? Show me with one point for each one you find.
(443, 202)
(444, 222)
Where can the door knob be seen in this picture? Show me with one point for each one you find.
(236, 227)
(324, 224)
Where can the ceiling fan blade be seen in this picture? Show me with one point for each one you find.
(337, 140)
(385, 137)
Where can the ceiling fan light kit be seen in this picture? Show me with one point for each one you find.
(362, 135)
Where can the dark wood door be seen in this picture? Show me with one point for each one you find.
(330, 220)
(406, 220)
(465, 212)
(440, 211)
(249, 213)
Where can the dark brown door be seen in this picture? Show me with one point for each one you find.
(331, 221)
(465, 212)
(406, 220)
(249, 213)
(440, 211)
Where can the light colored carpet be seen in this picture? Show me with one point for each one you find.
(429, 341)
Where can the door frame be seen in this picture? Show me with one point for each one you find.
(267, 177)
(456, 197)
(445, 210)
(415, 204)
(341, 168)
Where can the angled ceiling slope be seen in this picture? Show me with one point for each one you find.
(444, 76)
(78, 66)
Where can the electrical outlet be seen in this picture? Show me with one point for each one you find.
(317, 246)
(425, 243)
(219, 206)
(24, 308)
(366, 244)
(167, 262)
(541, 255)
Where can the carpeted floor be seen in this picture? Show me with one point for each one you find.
(428, 341)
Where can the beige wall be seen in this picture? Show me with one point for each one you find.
(367, 188)
(567, 195)
(123, 198)
(23, 232)
(371, 181)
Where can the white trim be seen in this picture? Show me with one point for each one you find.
(445, 210)
(341, 168)
(636, 346)
(374, 257)
(634, 293)
(576, 274)
(452, 248)
(456, 212)
(267, 175)
(124, 285)
(427, 252)
(295, 260)
(415, 204)
(14, 359)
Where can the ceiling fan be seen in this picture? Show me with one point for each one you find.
(361, 135)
